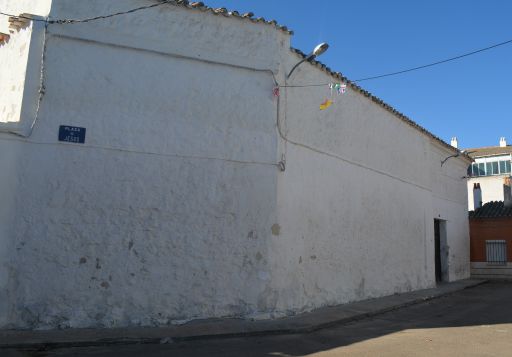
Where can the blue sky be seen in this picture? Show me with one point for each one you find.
(470, 98)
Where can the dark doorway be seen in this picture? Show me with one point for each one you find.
(437, 244)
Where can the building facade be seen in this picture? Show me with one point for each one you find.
(487, 174)
(490, 228)
(160, 167)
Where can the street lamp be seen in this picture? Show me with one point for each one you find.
(321, 48)
(454, 155)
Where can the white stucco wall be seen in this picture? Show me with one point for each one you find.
(490, 186)
(22, 48)
(17, 7)
(339, 212)
(13, 64)
(450, 205)
(357, 212)
(20, 74)
(165, 212)
(174, 208)
(14, 57)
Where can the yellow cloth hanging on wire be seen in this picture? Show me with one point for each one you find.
(326, 104)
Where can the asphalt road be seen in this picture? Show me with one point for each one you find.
(472, 322)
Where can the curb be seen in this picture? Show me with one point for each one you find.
(42, 346)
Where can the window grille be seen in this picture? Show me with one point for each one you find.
(496, 251)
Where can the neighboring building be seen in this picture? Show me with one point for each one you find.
(492, 165)
(490, 228)
(150, 174)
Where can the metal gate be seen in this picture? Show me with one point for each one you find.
(496, 251)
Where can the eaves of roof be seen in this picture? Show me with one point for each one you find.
(380, 102)
(222, 11)
(493, 209)
(198, 5)
(489, 151)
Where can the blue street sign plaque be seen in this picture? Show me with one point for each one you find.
(72, 134)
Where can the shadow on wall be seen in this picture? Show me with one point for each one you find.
(478, 306)
(483, 306)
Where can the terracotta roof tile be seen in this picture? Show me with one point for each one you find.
(491, 209)
(4, 38)
(379, 101)
(199, 5)
(17, 23)
(337, 75)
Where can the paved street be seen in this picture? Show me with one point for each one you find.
(472, 322)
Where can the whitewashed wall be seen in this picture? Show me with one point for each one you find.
(20, 53)
(22, 48)
(449, 197)
(174, 208)
(13, 65)
(357, 212)
(165, 212)
(490, 186)
(17, 7)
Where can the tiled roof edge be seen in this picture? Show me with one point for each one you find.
(249, 16)
(378, 101)
(199, 5)
(492, 209)
(489, 147)
(489, 151)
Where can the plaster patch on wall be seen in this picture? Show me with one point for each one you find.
(263, 275)
(246, 262)
(276, 229)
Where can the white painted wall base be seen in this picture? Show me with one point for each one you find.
(483, 270)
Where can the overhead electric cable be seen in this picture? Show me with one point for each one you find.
(410, 69)
(74, 21)
(435, 63)
(23, 17)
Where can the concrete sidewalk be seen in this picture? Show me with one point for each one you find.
(222, 328)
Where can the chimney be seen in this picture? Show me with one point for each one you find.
(507, 194)
(503, 142)
(477, 196)
(454, 142)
